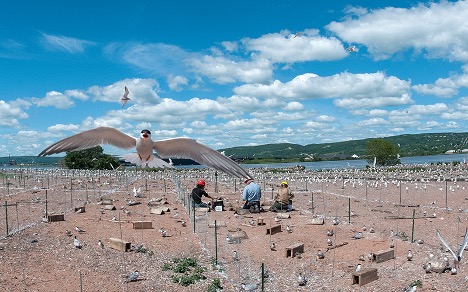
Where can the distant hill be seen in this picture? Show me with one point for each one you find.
(410, 145)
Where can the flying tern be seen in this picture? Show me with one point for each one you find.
(125, 97)
(176, 148)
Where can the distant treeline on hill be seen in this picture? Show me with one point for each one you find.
(410, 145)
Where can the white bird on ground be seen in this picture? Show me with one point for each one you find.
(320, 255)
(302, 279)
(100, 244)
(229, 239)
(68, 233)
(77, 243)
(358, 235)
(457, 256)
(272, 246)
(125, 97)
(235, 257)
(78, 229)
(336, 221)
(329, 242)
(409, 256)
(361, 258)
(289, 229)
(136, 193)
(453, 271)
(80, 210)
(132, 277)
(330, 232)
(176, 147)
(358, 268)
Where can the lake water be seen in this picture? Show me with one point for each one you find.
(340, 164)
(361, 163)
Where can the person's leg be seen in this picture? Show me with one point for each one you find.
(246, 205)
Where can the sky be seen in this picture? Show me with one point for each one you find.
(231, 73)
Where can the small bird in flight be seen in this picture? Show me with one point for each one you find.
(125, 97)
(352, 49)
(176, 147)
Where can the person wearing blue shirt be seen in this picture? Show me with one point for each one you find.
(251, 194)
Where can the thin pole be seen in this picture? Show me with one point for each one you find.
(446, 196)
(46, 210)
(263, 276)
(400, 191)
(412, 229)
(216, 243)
(349, 210)
(6, 217)
(81, 282)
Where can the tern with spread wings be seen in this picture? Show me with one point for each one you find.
(175, 148)
(457, 256)
(125, 97)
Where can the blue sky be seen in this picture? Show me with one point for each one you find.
(231, 73)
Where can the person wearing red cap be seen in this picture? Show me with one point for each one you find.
(198, 192)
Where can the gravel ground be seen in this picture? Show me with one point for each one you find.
(38, 256)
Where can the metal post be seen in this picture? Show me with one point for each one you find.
(216, 181)
(263, 276)
(46, 210)
(412, 229)
(400, 192)
(446, 196)
(349, 210)
(216, 243)
(6, 217)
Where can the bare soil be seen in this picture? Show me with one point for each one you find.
(39, 256)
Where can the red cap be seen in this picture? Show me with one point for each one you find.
(201, 182)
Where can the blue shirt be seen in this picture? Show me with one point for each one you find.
(252, 192)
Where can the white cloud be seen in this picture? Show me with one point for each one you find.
(65, 44)
(438, 29)
(174, 82)
(9, 115)
(223, 70)
(443, 87)
(62, 127)
(141, 91)
(372, 122)
(325, 119)
(285, 48)
(54, 99)
(353, 86)
(294, 106)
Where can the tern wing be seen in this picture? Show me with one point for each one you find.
(445, 244)
(91, 138)
(191, 149)
(464, 243)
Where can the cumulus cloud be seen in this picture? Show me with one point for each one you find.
(65, 44)
(175, 82)
(443, 87)
(438, 29)
(142, 91)
(224, 70)
(54, 99)
(286, 48)
(10, 114)
(351, 86)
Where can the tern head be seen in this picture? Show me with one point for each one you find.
(145, 134)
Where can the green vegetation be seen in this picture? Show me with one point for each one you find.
(186, 271)
(214, 286)
(409, 145)
(92, 158)
(383, 151)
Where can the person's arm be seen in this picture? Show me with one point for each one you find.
(244, 194)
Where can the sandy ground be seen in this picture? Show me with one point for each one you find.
(39, 256)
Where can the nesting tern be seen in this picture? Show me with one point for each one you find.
(132, 277)
(320, 255)
(358, 268)
(68, 233)
(457, 256)
(77, 243)
(125, 97)
(302, 279)
(100, 244)
(358, 235)
(175, 148)
(79, 230)
(409, 256)
(273, 246)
